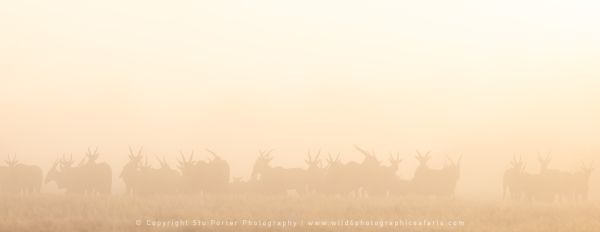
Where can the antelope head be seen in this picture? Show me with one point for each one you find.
(517, 164)
(135, 158)
(185, 164)
(262, 163)
(163, 162)
(11, 162)
(450, 163)
(145, 165)
(92, 156)
(395, 161)
(313, 162)
(53, 172)
(544, 162)
(215, 156)
(370, 158)
(332, 162)
(66, 163)
(453, 165)
(423, 158)
(587, 169)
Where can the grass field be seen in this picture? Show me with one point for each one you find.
(254, 213)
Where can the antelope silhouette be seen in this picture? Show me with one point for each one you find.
(87, 178)
(548, 184)
(20, 178)
(277, 180)
(551, 182)
(314, 172)
(580, 181)
(193, 173)
(162, 180)
(452, 169)
(366, 174)
(382, 179)
(67, 177)
(352, 178)
(218, 171)
(336, 180)
(513, 181)
(436, 182)
(203, 177)
(131, 173)
(98, 176)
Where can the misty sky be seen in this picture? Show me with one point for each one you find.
(487, 79)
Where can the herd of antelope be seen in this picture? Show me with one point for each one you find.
(370, 177)
(547, 184)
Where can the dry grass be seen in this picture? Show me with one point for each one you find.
(119, 213)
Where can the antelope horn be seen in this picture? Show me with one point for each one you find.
(365, 153)
(269, 153)
(55, 163)
(81, 161)
(213, 153)
(159, 161)
(181, 154)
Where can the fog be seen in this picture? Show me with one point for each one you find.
(485, 80)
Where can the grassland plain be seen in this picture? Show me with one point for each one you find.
(48, 212)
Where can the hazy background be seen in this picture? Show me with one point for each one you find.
(485, 79)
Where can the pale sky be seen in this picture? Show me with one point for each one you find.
(487, 79)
